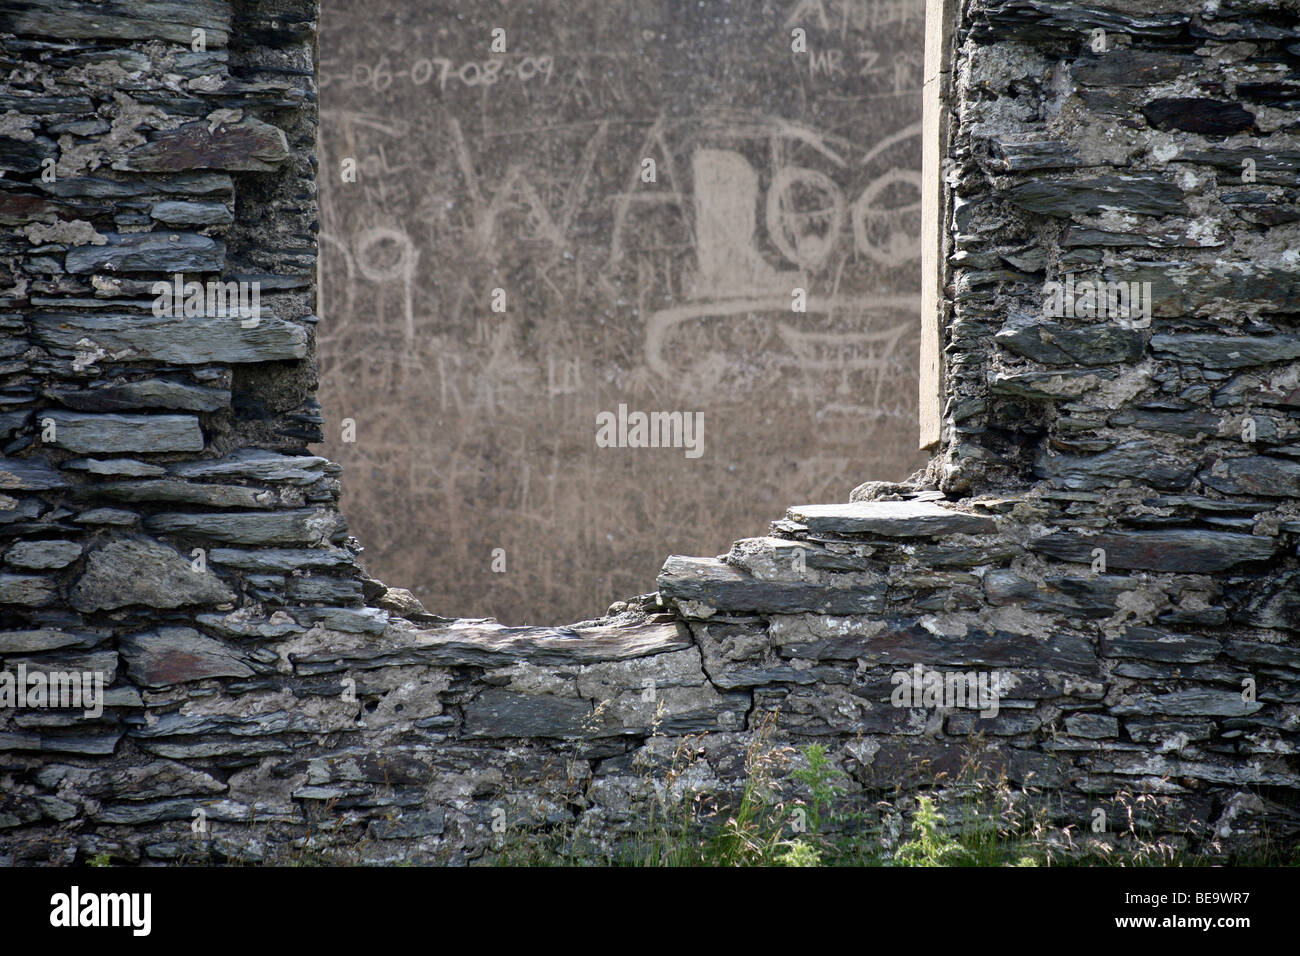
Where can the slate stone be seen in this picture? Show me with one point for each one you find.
(16, 209)
(1195, 617)
(1133, 67)
(25, 155)
(90, 744)
(1278, 605)
(1053, 344)
(123, 697)
(1138, 462)
(43, 555)
(176, 655)
(282, 559)
(1222, 351)
(1193, 702)
(912, 763)
(245, 624)
(228, 750)
(79, 661)
(1092, 597)
(1005, 724)
(1015, 157)
(1196, 114)
(167, 252)
(891, 519)
(1142, 195)
(1282, 96)
(97, 187)
(1149, 236)
(408, 825)
(1093, 726)
(172, 20)
(1190, 424)
(109, 516)
(1272, 166)
(154, 780)
(731, 678)
(42, 639)
(195, 340)
(29, 474)
(1270, 206)
(28, 590)
(138, 570)
(148, 393)
(115, 467)
(260, 465)
(248, 145)
(1036, 21)
(13, 422)
(1162, 731)
(186, 213)
(1182, 288)
(200, 658)
(217, 811)
(498, 713)
(1158, 645)
(488, 644)
(367, 620)
(323, 589)
(1189, 550)
(300, 526)
(907, 642)
(1246, 28)
(87, 432)
(1050, 386)
(807, 712)
(1254, 475)
(713, 583)
(46, 105)
(184, 492)
(1269, 655)
(774, 558)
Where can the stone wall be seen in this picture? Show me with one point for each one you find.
(1108, 529)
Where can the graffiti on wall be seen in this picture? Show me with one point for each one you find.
(622, 206)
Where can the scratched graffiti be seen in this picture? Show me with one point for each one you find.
(616, 208)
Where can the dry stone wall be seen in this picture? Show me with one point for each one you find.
(1106, 536)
